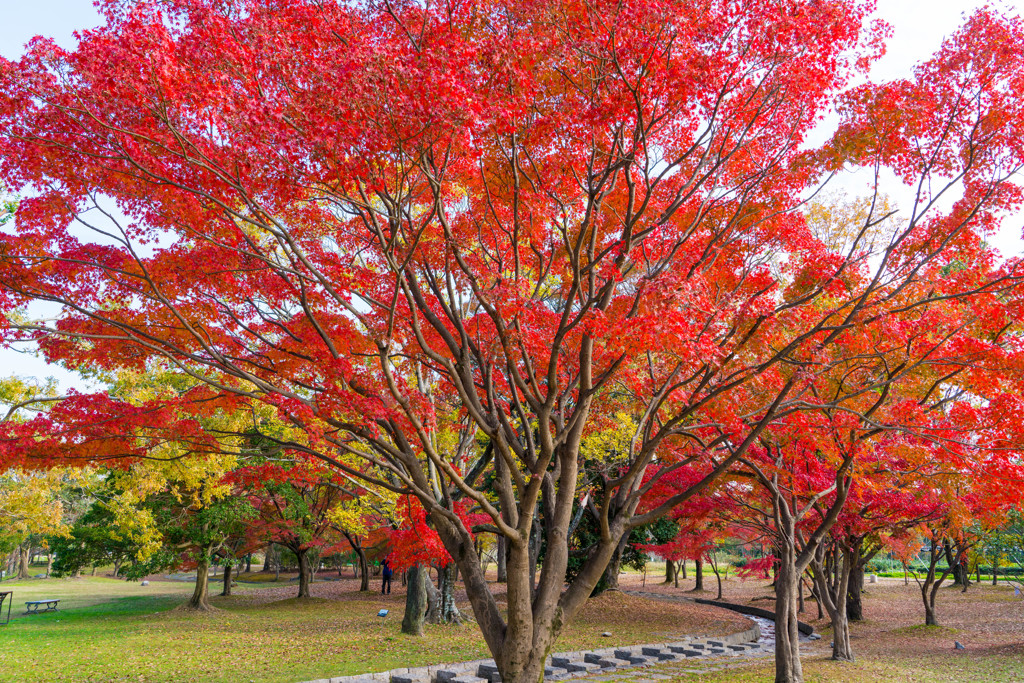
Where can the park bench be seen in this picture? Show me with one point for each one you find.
(36, 606)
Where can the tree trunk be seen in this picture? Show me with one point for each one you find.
(854, 603)
(415, 601)
(995, 571)
(227, 580)
(929, 589)
(200, 599)
(611, 572)
(681, 571)
(931, 584)
(800, 595)
(788, 668)
(534, 555)
(23, 554)
(698, 574)
(364, 570)
(500, 559)
(248, 563)
(441, 607)
(670, 567)
(304, 572)
(841, 649)
(537, 611)
(929, 609)
(961, 575)
(831, 580)
(266, 557)
(817, 601)
(447, 575)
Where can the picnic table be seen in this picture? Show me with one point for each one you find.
(36, 606)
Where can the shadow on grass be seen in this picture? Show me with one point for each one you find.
(110, 610)
(295, 603)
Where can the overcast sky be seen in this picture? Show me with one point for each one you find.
(918, 29)
(918, 26)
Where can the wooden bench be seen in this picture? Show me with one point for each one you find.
(36, 606)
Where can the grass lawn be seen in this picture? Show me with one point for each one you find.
(109, 630)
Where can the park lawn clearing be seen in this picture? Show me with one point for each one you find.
(946, 668)
(109, 630)
(952, 668)
(892, 644)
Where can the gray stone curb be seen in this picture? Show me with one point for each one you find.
(804, 628)
(564, 665)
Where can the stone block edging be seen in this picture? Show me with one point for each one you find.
(569, 664)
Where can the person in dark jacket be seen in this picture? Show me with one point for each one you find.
(385, 586)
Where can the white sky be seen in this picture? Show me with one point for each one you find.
(918, 29)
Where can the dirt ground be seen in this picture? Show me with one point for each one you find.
(630, 619)
(892, 643)
(986, 617)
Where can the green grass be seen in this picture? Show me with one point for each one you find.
(103, 632)
(108, 630)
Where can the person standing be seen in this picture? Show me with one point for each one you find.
(385, 587)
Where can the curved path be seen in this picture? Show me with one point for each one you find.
(655, 662)
(762, 617)
(765, 642)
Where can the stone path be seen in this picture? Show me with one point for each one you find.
(636, 663)
(764, 649)
(606, 664)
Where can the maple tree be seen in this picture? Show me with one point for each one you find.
(799, 468)
(694, 528)
(415, 547)
(441, 239)
(297, 503)
(970, 501)
(828, 489)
